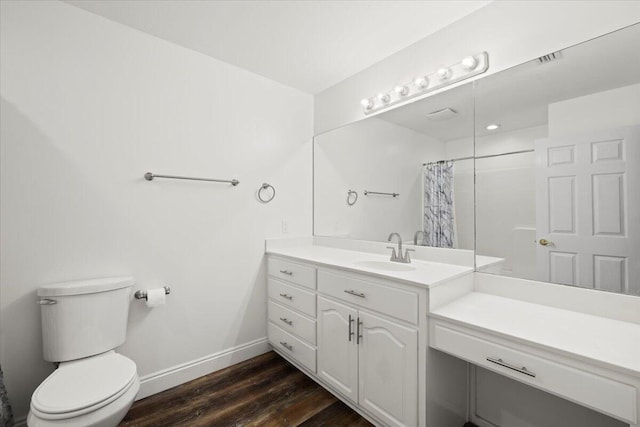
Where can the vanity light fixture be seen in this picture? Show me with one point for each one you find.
(493, 126)
(401, 90)
(444, 73)
(385, 98)
(421, 82)
(468, 67)
(469, 62)
(367, 103)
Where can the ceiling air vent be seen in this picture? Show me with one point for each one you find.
(444, 114)
(549, 57)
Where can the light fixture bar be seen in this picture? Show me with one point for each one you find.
(469, 66)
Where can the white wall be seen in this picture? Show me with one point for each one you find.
(373, 155)
(89, 106)
(512, 32)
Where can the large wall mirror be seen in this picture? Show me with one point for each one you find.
(558, 180)
(389, 173)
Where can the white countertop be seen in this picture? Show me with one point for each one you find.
(426, 274)
(612, 343)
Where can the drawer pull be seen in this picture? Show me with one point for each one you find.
(287, 346)
(287, 272)
(500, 362)
(352, 292)
(287, 321)
(286, 296)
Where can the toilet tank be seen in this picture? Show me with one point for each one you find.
(84, 318)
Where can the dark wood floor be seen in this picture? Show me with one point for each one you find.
(263, 391)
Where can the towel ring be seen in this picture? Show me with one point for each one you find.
(263, 187)
(352, 200)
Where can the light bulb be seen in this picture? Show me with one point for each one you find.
(493, 126)
(367, 103)
(385, 98)
(421, 82)
(444, 73)
(469, 63)
(401, 90)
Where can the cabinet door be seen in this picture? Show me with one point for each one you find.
(388, 365)
(337, 349)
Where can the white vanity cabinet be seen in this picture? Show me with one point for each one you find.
(524, 330)
(370, 360)
(338, 355)
(292, 310)
(363, 332)
(367, 356)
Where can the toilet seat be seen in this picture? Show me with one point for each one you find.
(83, 386)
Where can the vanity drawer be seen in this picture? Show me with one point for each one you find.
(597, 392)
(293, 322)
(302, 275)
(391, 301)
(292, 296)
(292, 346)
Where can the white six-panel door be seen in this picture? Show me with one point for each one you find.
(337, 349)
(588, 209)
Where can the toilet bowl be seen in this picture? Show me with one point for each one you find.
(93, 392)
(83, 322)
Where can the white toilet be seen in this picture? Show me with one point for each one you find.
(82, 323)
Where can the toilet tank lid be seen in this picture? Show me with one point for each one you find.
(79, 287)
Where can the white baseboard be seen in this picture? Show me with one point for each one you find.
(176, 375)
(20, 422)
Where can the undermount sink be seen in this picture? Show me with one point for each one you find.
(385, 265)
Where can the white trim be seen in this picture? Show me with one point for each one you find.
(473, 400)
(20, 422)
(180, 374)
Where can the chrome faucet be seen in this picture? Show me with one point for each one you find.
(415, 237)
(398, 256)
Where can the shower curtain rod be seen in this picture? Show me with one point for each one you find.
(480, 157)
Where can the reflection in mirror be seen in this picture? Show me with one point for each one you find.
(558, 182)
(396, 162)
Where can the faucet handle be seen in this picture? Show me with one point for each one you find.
(394, 256)
(407, 258)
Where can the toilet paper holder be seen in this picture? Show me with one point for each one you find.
(143, 294)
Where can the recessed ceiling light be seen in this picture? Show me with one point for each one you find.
(493, 127)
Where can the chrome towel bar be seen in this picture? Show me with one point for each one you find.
(149, 176)
(367, 192)
(143, 294)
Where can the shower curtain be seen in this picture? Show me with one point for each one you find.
(6, 417)
(439, 222)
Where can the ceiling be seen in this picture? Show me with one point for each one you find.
(519, 97)
(308, 45)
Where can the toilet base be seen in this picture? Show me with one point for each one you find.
(108, 416)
